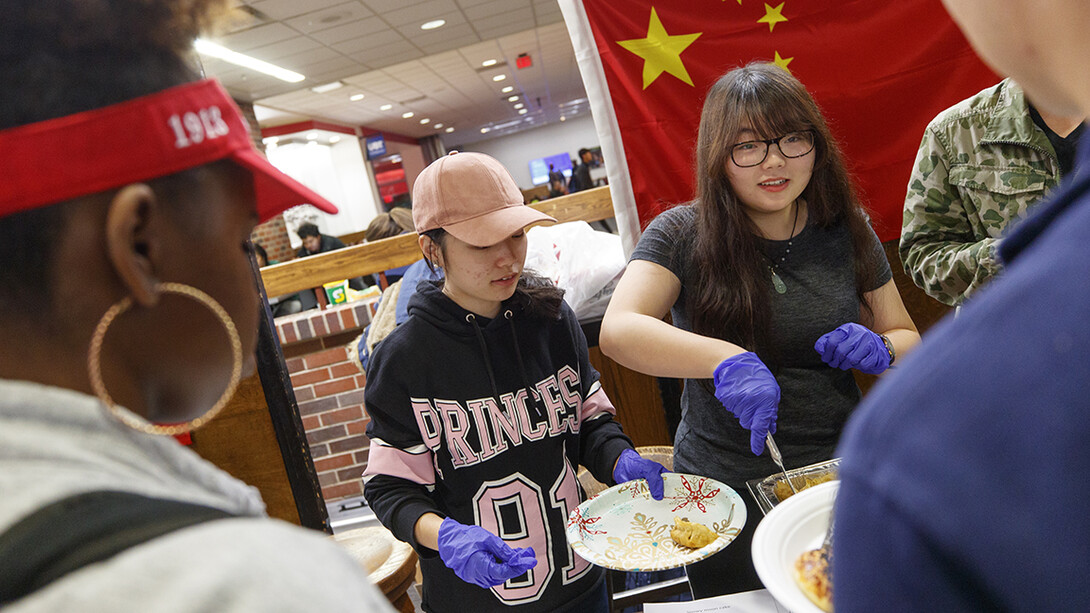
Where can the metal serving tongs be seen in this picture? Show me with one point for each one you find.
(774, 451)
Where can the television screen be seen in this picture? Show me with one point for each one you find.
(539, 168)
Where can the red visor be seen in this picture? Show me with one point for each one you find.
(137, 140)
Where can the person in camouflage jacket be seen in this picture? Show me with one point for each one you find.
(982, 165)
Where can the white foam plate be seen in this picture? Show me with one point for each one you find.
(795, 525)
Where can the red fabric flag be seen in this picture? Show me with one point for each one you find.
(880, 71)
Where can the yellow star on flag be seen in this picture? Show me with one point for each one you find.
(660, 51)
(782, 62)
(773, 16)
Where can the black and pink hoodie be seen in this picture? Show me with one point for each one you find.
(486, 421)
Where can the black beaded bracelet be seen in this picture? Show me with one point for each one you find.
(889, 348)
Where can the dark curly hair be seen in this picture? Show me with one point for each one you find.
(61, 57)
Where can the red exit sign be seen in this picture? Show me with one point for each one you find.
(523, 61)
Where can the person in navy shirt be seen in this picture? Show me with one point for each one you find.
(965, 476)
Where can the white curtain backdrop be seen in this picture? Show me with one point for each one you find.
(605, 122)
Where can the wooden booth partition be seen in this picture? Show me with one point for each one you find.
(259, 437)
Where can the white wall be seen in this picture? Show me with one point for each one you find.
(338, 173)
(516, 151)
(354, 174)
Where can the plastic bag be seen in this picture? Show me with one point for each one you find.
(585, 263)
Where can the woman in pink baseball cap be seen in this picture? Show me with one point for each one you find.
(483, 403)
(128, 312)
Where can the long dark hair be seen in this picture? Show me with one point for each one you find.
(731, 299)
(538, 296)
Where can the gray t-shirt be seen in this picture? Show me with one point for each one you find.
(815, 398)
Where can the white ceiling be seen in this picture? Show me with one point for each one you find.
(376, 48)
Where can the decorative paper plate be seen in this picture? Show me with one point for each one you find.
(623, 528)
(796, 525)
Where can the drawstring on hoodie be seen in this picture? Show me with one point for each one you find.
(510, 317)
(472, 320)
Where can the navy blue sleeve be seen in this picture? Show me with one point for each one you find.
(883, 561)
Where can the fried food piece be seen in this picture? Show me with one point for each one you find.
(783, 491)
(691, 534)
(812, 574)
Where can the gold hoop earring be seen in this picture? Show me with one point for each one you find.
(94, 367)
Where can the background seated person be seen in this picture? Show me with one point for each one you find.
(280, 305)
(398, 221)
(314, 242)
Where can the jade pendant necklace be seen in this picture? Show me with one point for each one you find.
(777, 282)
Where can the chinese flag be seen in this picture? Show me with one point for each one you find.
(880, 71)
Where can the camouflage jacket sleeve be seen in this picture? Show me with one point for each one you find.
(942, 247)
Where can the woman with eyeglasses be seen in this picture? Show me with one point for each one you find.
(777, 286)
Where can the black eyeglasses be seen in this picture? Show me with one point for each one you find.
(791, 145)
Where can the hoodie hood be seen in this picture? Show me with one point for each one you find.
(432, 305)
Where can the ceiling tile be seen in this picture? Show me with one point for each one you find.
(257, 37)
(339, 63)
(457, 32)
(420, 13)
(384, 6)
(284, 9)
(301, 62)
(495, 7)
(503, 29)
(331, 17)
(346, 32)
(450, 44)
(369, 41)
(387, 55)
(523, 16)
(284, 48)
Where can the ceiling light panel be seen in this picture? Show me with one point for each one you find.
(260, 36)
(205, 47)
(289, 48)
(327, 87)
(422, 12)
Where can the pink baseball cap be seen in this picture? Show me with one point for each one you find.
(473, 197)
(151, 136)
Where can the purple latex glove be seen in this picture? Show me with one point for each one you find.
(853, 346)
(631, 466)
(479, 557)
(747, 389)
